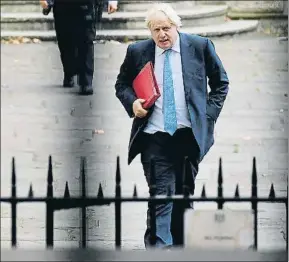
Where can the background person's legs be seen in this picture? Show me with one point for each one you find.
(65, 32)
(86, 37)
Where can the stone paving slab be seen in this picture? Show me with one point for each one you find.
(41, 118)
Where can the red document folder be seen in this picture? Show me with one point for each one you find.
(145, 86)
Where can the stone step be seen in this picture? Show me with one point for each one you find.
(212, 2)
(15, 6)
(199, 16)
(134, 6)
(227, 28)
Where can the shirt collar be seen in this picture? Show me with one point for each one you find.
(175, 47)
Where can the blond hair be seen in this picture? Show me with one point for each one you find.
(167, 10)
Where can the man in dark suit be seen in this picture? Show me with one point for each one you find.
(75, 26)
(181, 122)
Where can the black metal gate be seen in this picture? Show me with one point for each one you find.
(67, 202)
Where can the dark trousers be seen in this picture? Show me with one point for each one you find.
(168, 153)
(75, 37)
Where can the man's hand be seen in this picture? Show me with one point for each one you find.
(138, 109)
(43, 4)
(112, 7)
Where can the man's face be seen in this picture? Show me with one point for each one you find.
(163, 32)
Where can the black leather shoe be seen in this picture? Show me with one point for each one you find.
(68, 82)
(86, 90)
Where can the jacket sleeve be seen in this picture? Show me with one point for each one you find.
(123, 87)
(218, 81)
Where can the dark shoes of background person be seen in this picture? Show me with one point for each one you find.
(68, 82)
(86, 90)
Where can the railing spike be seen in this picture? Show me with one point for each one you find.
(117, 175)
(203, 194)
(66, 191)
(13, 178)
(272, 191)
(49, 178)
(83, 176)
(237, 191)
(50, 175)
(254, 173)
(220, 185)
(100, 192)
(13, 171)
(135, 191)
(30, 193)
(220, 174)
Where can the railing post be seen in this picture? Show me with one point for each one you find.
(83, 196)
(152, 209)
(13, 206)
(286, 205)
(117, 205)
(254, 202)
(49, 206)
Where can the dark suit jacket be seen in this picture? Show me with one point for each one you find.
(199, 61)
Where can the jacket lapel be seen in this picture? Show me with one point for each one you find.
(149, 53)
(187, 58)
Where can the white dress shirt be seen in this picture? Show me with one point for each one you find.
(156, 121)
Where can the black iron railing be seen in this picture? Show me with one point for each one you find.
(67, 202)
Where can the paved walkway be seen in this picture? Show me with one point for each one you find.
(41, 118)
